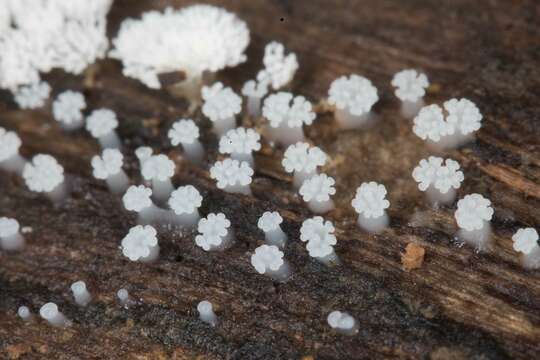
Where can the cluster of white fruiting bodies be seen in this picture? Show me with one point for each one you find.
(201, 39)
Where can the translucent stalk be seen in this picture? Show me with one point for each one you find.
(450, 142)
(531, 260)
(300, 176)
(153, 256)
(161, 190)
(286, 135)
(118, 183)
(409, 109)
(479, 239)
(149, 215)
(124, 298)
(12, 243)
(24, 313)
(190, 89)
(206, 313)
(74, 125)
(321, 207)
(194, 152)
(346, 120)
(224, 125)
(438, 198)
(373, 225)
(58, 194)
(238, 189)
(282, 274)
(80, 293)
(13, 164)
(276, 237)
(51, 313)
(329, 259)
(110, 140)
(254, 106)
(188, 220)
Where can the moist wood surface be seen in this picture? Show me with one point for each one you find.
(458, 305)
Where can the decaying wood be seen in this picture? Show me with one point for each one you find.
(458, 305)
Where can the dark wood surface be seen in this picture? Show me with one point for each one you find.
(458, 305)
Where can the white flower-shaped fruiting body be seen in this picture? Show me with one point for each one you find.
(426, 172)
(52, 315)
(279, 69)
(270, 223)
(137, 198)
(429, 124)
(268, 259)
(141, 244)
(286, 115)
(316, 192)
(463, 115)
(240, 143)
(102, 124)
(279, 110)
(193, 40)
(410, 85)
(32, 96)
(67, 109)
(525, 241)
(206, 313)
(303, 160)
(41, 35)
(448, 176)
(44, 174)
(232, 176)
(109, 167)
(276, 108)
(342, 322)
(353, 97)
(10, 236)
(320, 238)
(10, 160)
(108, 164)
(410, 89)
(254, 91)
(185, 203)
(473, 211)
(473, 215)
(214, 232)
(440, 181)
(143, 153)
(80, 293)
(462, 120)
(221, 105)
(184, 132)
(370, 203)
(159, 169)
